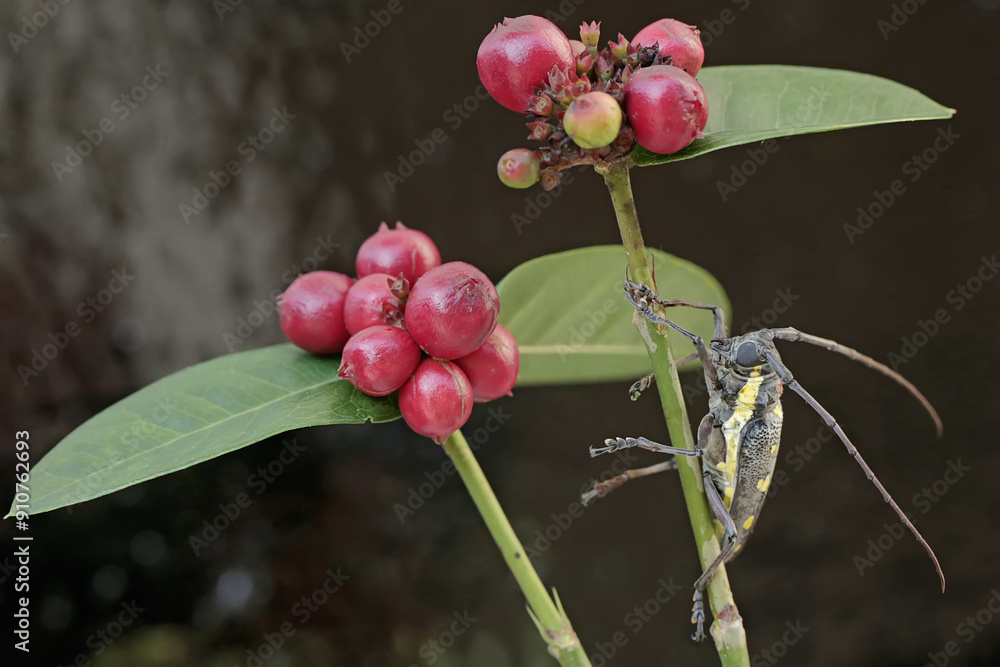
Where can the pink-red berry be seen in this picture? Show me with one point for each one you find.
(492, 369)
(312, 311)
(451, 310)
(593, 120)
(519, 168)
(518, 55)
(379, 359)
(680, 41)
(395, 251)
(370, 302)
(666, 107)
(437, 400)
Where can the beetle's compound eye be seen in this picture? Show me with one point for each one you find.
(747, 356)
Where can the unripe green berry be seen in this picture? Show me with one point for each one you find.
(518, 168)
(593, 120)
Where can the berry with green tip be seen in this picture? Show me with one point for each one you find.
(518, 168)
(593, 120)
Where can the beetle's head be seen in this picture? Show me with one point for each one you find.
(746, 352)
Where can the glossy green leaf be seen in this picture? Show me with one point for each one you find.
(572, 322)
(197, 414)
(750, 103)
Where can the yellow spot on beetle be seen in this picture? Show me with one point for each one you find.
(748, 523)
(774, 448)
(763, 484)
(737, 549)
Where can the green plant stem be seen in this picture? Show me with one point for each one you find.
(727, 630)
(548, 614)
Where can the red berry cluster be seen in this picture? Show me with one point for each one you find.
(575, 95)
(437, 343)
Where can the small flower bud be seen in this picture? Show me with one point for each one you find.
(590, 34)
(540, 130)
(550, 179)
(619, 49)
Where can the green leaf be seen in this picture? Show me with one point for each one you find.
(572, 322)
(197, 414)
(750, 103)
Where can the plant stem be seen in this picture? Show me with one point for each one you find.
(548, 615)
(727, 630)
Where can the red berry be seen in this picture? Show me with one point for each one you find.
(518, 168)
(437, 400)
(593, 120)
(492, 369)
(680, 41)
(379, 359)
(395, 251)
(312, 311)
(370, 302)
(518, 55)
(666, 108)
(451, 310)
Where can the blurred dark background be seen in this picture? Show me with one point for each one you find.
(223, 68)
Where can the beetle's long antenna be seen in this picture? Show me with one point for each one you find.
(789, 381)
(790, 334)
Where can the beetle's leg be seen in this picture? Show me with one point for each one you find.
(791, 334)
(615, 444)
(728, 546)
(642, 298)
(645, 383)
(789, 381)
(601, 489)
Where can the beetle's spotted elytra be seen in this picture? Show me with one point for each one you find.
(739, 438)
